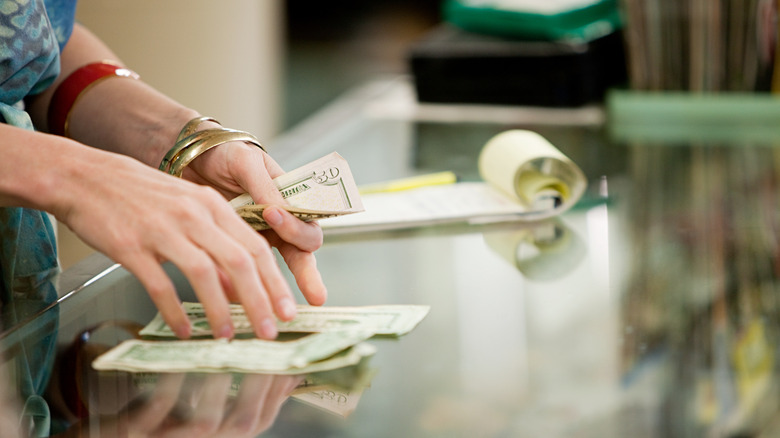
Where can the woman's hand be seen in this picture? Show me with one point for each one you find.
(141, 217)
(235, 168)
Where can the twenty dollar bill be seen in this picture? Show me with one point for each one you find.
(321, 189)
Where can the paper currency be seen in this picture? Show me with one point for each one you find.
(312, 353)
(332, 400)
(321, 189)
(348, 378)
(335, 391)
(394, 320)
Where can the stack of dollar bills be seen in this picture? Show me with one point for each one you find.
(328, 338)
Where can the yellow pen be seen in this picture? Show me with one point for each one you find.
(414, 182)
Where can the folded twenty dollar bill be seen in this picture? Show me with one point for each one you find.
(321, 189)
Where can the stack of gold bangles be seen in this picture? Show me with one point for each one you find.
(190, 144)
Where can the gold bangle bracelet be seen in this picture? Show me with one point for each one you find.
(192, 126)
(190, 144)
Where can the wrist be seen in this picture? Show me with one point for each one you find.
(198, 136)
(35, 168)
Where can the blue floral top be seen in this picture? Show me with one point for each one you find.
(32, 34)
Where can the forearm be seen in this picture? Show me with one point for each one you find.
(39, 170)
(119, 115)
(129, 117)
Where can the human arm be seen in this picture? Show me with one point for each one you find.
(160, 218)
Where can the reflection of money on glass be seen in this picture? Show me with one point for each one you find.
(335, 391)
(321, 189)
(333, 400)
(391, 319)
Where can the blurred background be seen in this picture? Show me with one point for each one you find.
(260, 65)
(265, 66)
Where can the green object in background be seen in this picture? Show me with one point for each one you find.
(679, 118)
(586, 23)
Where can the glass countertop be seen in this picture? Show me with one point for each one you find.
(650, 309)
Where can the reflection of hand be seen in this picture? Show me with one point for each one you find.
(202, 406)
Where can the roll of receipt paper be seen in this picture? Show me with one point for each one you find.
(528, 168)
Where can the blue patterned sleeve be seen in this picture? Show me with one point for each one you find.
(62, 15)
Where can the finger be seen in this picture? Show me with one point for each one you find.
(274, 169)
(303, 266)
(249, 403)
(245, 258)
(227, 287)
(154, 410)
(277, 298)
(305, 235)
(245, 161)
(161, 290)
(293, 382)
(205, 404)
(277, 395)
(256, 279)
(210, 408)
(200, 269)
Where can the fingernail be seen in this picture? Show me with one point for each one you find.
(183, 331)
(287, 309)
(272, 216)
(268, 328)
(225, 332)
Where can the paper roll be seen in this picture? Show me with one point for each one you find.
(527, 167)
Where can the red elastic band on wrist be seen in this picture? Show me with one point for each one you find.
(68, 92)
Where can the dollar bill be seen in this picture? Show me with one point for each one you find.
(332, 400)
(348, 378)
(312, 353)
(321, 189)
(253, 214)
(396, 320)
(338, 391)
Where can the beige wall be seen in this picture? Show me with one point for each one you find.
(221, 57)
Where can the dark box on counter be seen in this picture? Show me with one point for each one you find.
(451, 65)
